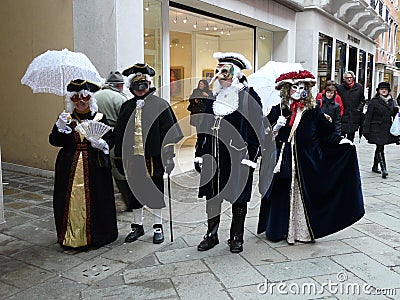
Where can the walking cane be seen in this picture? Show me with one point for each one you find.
(170, 208)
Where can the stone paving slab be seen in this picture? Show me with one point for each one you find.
(261, 253)
(206, 287)
(7, 290)
(156, 289)
(345, 286)
(93, 270)
(318, 249)
(380, 233)
(48, 258)
(33, 234)
(164, 271)
(377, 250)
(369, 270)
(303, 288)
(233, 270)
(299, 269)
(54, 288)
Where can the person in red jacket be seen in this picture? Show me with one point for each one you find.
(338, 99)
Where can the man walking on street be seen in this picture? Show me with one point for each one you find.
(352, 94)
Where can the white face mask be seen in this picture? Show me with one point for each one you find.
(296, 90)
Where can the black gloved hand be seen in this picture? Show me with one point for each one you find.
(169, 165)
(197, 166)
(119, 166)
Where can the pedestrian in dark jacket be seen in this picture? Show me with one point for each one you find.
(330, 107)
(378, 119)
(352, 94)
(337, 98)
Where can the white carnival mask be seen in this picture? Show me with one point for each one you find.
(297, 91)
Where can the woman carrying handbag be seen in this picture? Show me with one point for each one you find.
(378, 120)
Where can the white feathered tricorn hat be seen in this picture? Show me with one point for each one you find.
(234, 58)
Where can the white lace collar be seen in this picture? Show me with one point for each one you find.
(227, 100)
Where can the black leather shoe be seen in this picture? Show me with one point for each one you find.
(158, 236)
(137, 231)
(235, 244)
(375, 169)
(208, 242)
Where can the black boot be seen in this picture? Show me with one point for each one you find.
(210, 240)
(136, 232)
(158, 236)
(237, 227)
(375, 168)
(382, 162)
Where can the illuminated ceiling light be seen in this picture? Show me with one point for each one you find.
(146, 34)
(185, 20)
(183, 46)
(176, 18)
(222, 31)
(145, 42)
(229, 32)
(215, 27)
(207, 27)
(195, 25)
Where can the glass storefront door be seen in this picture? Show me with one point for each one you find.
(340, 61)
(324, 59)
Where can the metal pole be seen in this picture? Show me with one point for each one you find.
(170, 208)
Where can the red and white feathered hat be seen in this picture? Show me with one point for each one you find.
(295, 77)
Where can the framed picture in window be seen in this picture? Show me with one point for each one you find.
(208, 74)
(176, 82)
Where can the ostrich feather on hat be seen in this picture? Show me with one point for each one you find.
(295, 77)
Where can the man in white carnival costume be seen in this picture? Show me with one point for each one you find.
(228, 155)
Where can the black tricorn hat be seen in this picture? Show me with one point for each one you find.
(139, 68)
(383, 85)
(77, 85)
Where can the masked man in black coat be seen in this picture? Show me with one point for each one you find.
(230, 149)
(145, 134)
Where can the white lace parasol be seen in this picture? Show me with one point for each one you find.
(51, 71)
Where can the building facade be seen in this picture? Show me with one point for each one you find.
(178, 39)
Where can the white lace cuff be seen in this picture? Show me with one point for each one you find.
(198, 160)
(249, 163)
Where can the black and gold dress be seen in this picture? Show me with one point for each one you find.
(83, 199)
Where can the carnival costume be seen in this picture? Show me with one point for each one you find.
(316, 188)
(83, 200)
(230, 149)
(145, 134)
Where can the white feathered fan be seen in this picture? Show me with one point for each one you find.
(92, 129)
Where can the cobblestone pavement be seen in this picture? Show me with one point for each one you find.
(345, 265)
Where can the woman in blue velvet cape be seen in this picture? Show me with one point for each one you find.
(324, 177)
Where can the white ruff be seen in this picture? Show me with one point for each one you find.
(227, 101)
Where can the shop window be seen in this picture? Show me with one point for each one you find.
(340, 61)
(362, 63)
(370, 72)
(324, 59)
(153, 38)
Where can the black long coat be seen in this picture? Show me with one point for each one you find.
(353, 101)
(100, 214)
(328, 176)
(378, 120)
(332, 109)
(239, 137)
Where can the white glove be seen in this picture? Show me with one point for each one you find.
(280, 123)
(99, 144)
(62, 123)
(345, 141)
